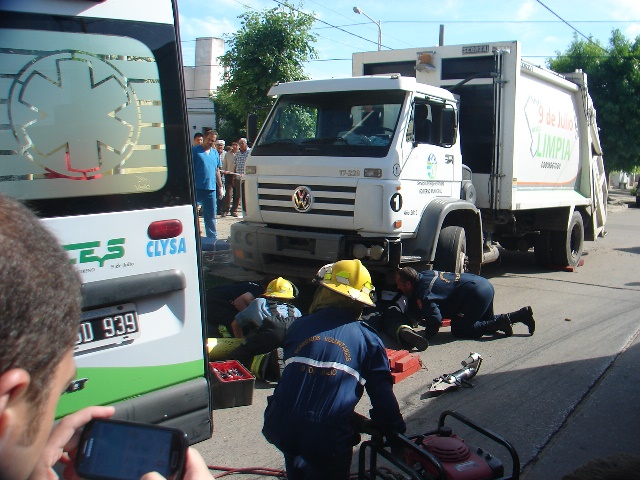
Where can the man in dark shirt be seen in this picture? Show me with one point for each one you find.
(330, 358)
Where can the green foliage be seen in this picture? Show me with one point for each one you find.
(270, 47)
(614, 84)
(230, 125)
(298, 122)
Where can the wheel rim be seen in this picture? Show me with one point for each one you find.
(463, 259)
(575, 241)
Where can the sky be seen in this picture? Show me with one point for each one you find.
(544, 27)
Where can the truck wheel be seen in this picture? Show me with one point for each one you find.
(566, 247)
(451, 252)
(542, 248)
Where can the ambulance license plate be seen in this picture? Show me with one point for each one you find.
(107, 326)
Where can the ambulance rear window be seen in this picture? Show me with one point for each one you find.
(85, 112)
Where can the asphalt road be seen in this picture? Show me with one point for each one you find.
(563, 396)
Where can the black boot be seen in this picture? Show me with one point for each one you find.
(524, 315)
(503, 324)
(274, 367)
(408, 336)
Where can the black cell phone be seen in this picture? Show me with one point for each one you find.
(121, 450)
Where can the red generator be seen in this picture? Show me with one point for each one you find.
(439, 454)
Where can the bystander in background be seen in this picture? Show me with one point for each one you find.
(241, 158)
(206, 167)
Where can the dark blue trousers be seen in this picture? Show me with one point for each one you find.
(475, 309)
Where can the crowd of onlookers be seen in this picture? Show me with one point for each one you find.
(218, 169)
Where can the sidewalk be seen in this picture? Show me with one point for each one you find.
(223, 225)
(620, 199)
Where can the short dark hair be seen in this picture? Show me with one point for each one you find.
(197, 135)
(408, 274)
(40, 299)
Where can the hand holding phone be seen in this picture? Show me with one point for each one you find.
(119, 450)
(63, 443)
(195, 468)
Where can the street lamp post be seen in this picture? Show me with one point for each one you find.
(357, 10)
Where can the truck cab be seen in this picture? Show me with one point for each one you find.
(346, 169)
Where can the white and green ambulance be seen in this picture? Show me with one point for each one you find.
(93, 137)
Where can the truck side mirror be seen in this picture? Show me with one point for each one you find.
(421, 124)
(252, 128)
(449, 127)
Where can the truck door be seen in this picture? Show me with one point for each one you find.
(432, 158)
(496, 168)
(481, 125)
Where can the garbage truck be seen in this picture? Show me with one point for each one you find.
(432, 158)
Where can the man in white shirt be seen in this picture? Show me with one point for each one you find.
(241, 159)
(228, 170)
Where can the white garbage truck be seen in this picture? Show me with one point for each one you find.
(425, 157)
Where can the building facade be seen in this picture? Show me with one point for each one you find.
(202, 79)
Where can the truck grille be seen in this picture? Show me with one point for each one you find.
(331, 200)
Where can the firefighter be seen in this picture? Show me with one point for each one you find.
(390, 316)
(466, 299)
(223, 303)
(266, 319)
(330, 358)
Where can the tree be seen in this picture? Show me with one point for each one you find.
(614, 84)
(271, 46)
(229, 124)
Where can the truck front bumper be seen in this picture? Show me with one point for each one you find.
(300, 254)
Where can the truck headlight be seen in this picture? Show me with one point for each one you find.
(359, 251)
(376, 252)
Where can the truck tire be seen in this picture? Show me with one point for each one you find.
(566, 247)
(451, 252)
(542, 248)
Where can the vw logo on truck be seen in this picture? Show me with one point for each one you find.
(302, 199)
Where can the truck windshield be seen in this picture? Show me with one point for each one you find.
(350, 124)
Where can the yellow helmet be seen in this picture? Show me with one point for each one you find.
(281, 288)
(349, 278)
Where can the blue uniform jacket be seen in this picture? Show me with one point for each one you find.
(444, 295)
(330, 359)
